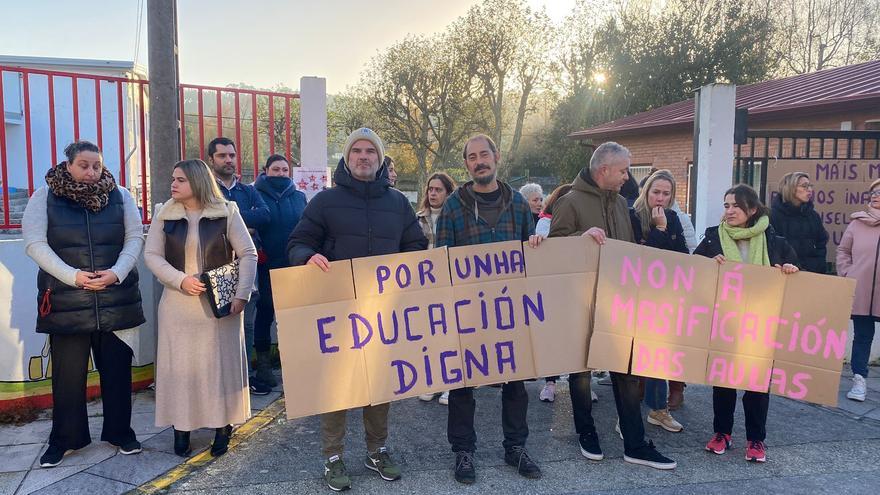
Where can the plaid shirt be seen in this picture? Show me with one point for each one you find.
(459, 225)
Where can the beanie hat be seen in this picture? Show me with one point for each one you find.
(367, 134)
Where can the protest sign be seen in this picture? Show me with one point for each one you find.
(673, 316)
(378, 329)
(840, 188)
(562, 272)
(664, 300)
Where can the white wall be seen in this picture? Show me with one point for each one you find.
(18, 313)
(41, 147)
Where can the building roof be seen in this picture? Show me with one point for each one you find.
(55, 63)
(852, 86)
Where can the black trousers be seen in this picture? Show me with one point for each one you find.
(70, 358)
(265, 311)
(626, 398)
(462, 407)
(755, 406)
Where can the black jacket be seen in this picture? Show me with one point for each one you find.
(671, 240)
(779, 253)
(87, 241)
(803, 229)
(356, 219)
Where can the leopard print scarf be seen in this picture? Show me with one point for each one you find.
(93, 197)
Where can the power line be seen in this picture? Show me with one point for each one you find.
(137, 36)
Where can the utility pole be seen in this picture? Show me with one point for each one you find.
(165, 123)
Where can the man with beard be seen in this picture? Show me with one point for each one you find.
(481, 211)
(595, 208)
(361, 216)
(223, 158)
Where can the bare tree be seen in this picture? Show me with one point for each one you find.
(818, 34)
(419, 90)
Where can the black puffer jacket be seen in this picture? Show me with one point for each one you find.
(87, 241)
(803, 229)
(671, 240)
(779, 253)
(356, 219)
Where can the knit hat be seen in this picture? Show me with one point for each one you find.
(367, 134)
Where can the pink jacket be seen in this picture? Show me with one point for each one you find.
(858, 256)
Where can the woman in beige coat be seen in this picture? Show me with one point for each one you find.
(201, 377)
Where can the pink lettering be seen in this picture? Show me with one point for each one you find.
(634, 271)
(618, 306)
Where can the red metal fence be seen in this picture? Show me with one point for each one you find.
(46, 109)
(236, 112)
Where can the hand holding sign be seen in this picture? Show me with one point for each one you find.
(597, 234)
(320, 261)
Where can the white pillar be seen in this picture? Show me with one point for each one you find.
(313, 118)
(713, 135)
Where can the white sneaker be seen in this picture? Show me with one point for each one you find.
(427, 397)
(663, 419)
(548, 393)
(444, 398)
(858, 390)
(593, 396)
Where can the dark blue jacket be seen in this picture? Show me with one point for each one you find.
(286, 205)
(354, 219)
(253, 209)
(671, 240)
(803, 230)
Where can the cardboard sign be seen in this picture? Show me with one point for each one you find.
(563, 272)
(308, 285)
(487, 262)
(410, 344)
(739, 371)
(322, 368)
(840, 189)
(379, 329)
(749, 301)
(417, 270)
(493, 325)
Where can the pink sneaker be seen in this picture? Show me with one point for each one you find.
(719, 443)
(756, 452)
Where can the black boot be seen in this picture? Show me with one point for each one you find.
(264, 369)
(181, 443)
(221, 441)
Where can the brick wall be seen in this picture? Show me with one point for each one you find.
(674, 150)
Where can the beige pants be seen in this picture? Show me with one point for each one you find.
(333, 429)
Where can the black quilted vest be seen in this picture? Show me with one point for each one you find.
(87, 241)
(215, 249)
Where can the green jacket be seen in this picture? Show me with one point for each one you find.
(587, 206)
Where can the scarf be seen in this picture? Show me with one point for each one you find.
(92, 197)
(758, 253)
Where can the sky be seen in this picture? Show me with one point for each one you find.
(263, 43)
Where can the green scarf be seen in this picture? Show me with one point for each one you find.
(758, 253)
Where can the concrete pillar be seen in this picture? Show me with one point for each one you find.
(164, 97)
(313, 119)
(713, 149)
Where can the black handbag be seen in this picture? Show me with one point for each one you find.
(221, 283)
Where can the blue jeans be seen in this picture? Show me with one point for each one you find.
(250, 315)
(863, 336)
(655, 393)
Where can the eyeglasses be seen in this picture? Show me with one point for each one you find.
(805, 186)
(875, 192)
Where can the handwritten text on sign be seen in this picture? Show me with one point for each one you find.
(401, 325)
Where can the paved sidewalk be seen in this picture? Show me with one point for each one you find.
(812, 450)
(97, 468)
